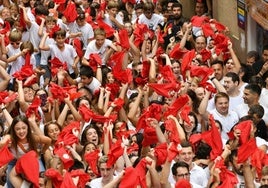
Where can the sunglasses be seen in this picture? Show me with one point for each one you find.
(12, 43)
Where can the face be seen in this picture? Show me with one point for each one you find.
(60, 41)
(80, 22)
(86, 80)
(264, 180)
(186, 155)
(229, 85)
(177, 12)
(129, 28)
(106, 173)
(92, 136)
(189, 127)
(265, 55)
(222, 105)
(28, 94)
(110, 77)
(138, 12)
(218, 70)
(32, 2)
(84, 102)
(249, 97)
(5, 13)
(118, 127)
(229, 65)
(89, 148)
(176, 68)
(113, 11)
(182, 173)
(148, 14)
(200, 44)
(21, 130)
(99, 40)
(250, 61)
(200, 93)
(50, 25)
(53, 131)
(199, 9)
(15, 44)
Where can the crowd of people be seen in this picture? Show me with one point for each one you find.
(130, 93)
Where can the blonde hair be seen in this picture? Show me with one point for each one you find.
(15, 35)
(99, 31)
(112, 4)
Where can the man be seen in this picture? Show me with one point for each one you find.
(106, 173)
(180, 170)
(217, 66)
(227, 118)
(259, 67)
(231, 82)
(264, 175)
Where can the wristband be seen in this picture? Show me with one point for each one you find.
(212, 78)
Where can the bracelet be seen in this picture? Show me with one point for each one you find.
(212, 78)
(4, 108)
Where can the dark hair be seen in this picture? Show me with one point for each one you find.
(196, 121)
(149, 6)
(41, 10)
(220, 95)
(248, 72)
(15, 138)
(217, 62)
(177, 4)
(203, 151)
(195, 100)
(256, 80)
(77, 165)
(61, 33)
(254, 88)
(178, 165)
(84, 133)
(256, 109)
(254, 54)
(233, 76)
(86, 71)
(47, 125)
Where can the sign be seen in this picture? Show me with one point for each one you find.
(241, 14)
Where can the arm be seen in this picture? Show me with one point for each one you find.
(23, 104)
(25, 17)
(41, 27)
(133, 110)
(5, 79)
(202, 109)
(42, 45)
(75, 113)
(160, 136)
(63, 114)
(154, 177)
(7, 115)
(179, 128)
(217, 84)
(236, 61)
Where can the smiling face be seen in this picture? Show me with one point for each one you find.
(53, 131)
(222, 105)
(21, 131)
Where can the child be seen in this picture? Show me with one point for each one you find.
(64, 52)
(112, 18)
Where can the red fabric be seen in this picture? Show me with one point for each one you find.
(94, 61)
(177, 53)
(59, 1)
(141, 171)
(245, 128)
(133, 147)
(173, 151)
(22, 21)
(53, 30)
(171, 127)
(168, 75)
(152, 111)
(219, 26)
(72, 92)
(149, 136)
(141, 81)
(67, 181)
(186, 61)
(129, 1)
(114, 153)
(119, 103)
(183, 183)
(160, 152)
(124, 39)
(186, 109)
(31, 172)
(257, 160)
(207, 30)
(108, 29)
(78, 46)
(208, 86)
(83, 177)
(221, 44)
(160, 37)
(26, 70)
(66, 159)
(246, 150)
(130, 178)
(33, 108)
(206, 55)
(56, 64)
(201, 72)
(30, 81)
(88, 114)
(198, 21)
(114, 89)
(176, 106)
(92, 160)
(139, 32)
(55, 177)
(164, 89)
(145, 69)
(70, 12)
(57, 91)
(6, 155)
(6, 98)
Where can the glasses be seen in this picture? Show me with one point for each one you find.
(12, 43)
(186, 175)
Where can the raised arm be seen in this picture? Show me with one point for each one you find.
(5, 78)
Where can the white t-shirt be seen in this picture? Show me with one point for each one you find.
(67, 55)
(107, 20)
(153, 22)
(91, 48)
(94, 86)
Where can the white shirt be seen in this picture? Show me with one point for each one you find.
(153, 22)
(94, 86)
(198, 176)
(227, 121)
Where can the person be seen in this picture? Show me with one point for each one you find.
(180, 170)
(231, 83)
(218, 68)
(259, 66)
(112, 18)
(264, 175)
(149, 17)
(25, 136)
(252, 57)
(106, 173)
(228, 118)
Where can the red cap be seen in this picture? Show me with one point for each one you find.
(70, 12)
(114, 153)
(183, 183)
(31, 172)
(124, 39)
(130, 178)
(6, 155)
(55, 176)
(160, 152)
(33, 108)
(66, 159)
(92, 160)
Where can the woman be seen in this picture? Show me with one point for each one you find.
(24, 135)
